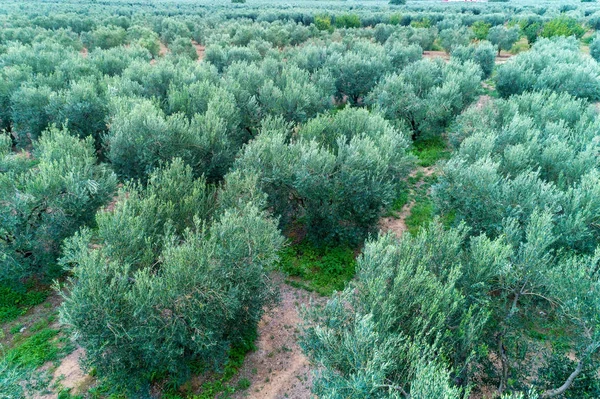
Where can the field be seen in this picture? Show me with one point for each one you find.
(327, 199)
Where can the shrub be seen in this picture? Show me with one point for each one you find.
(183, 47)
(335, 178)
(47, 195)
(358, 70)
(179, 292)
(323, 22)
(347, 21)
(82, 109)
(595, 49)
(29, 115)
(562, 26)
(141, 137)
(480, 29)
(105, 37)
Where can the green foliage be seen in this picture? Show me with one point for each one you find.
(427, 94)
(358, 70)
(11, 380)
(535, 151)
(429, 151)
(335, 178)
(187, 283)
(421, 214)
(443, 301)
(142, 137)
(320, 269)
(35, 350)
(503, 38)
(562, 26)
(531, 31)
(368, 338)
(595, 49)
(82, 109)
(556, 64)
(454, 37)
(397, 2)
(15, 303)
(29, 115)
(347, 21)
(105, 37)
(183, 47)
(323, 22)
(480, 29)
(483, 54)
(47, 195)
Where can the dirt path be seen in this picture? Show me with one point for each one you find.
(200, 49)
(278, 368)
(500, 59)
(397, 224)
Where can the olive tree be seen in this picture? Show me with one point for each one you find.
(535, 151)
(187, 284)
(502, 37)
(335, 178)
(554, 64)
(141, 137)
(445, 305)
(483, 54)
(46, 195)
(427, 94)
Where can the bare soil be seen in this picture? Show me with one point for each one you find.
(278, 368)
(500, 59)
(436, 54)
(397, 224)
(200, 49)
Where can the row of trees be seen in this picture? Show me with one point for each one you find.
(508, 296)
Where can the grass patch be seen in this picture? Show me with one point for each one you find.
(35, 350)
(430, 150)
(15, 303)
(423, 210)
(421, 215)
(323, 270)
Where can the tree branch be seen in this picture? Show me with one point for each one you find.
(563, 388)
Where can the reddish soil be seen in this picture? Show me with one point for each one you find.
(200, 49)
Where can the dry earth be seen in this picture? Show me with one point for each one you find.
(500, 59)
(278, 368)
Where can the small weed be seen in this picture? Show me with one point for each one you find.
(15, 303)
(431, 150)
(219, 388)
(323, 270)
(16, 328)
(35, 350)
(421, 214)
(243, 384)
